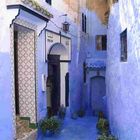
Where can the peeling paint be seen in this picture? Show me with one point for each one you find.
(100, 7)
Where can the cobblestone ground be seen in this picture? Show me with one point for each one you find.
(80, 129)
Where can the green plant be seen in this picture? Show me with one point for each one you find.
(49, 124)
(81, 113)
(103, 125)
(105, 137)
(62, 112)
(42, 125)
(53, 125)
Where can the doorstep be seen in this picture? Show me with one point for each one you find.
(29, 136)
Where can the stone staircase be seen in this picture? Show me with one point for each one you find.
(23, 132)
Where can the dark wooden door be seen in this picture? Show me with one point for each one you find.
(54, 73)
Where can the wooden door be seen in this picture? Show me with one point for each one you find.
(54, 74)
(98, 93)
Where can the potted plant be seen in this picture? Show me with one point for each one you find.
(49, 126)
(103, 125)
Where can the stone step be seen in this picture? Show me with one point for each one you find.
(22, 127)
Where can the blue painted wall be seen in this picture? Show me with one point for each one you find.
(94, 27)
(41, 69)
(6, 123)
(123, 78)
(5, 98)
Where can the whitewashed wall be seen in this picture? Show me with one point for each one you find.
(6, 110)
(123, 90)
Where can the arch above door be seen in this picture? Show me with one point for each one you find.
(59, 49)
(58, 44)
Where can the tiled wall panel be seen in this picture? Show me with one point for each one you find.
(27, 78)
(26, 73)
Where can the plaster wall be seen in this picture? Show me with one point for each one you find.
(6, 111)
(41, 70)
(94, 27)
(122, 78)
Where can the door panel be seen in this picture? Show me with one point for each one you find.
(54, 75)
(98, 92)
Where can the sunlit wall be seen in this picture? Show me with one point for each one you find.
(123, 78)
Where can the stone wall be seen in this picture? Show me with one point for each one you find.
(122, 78)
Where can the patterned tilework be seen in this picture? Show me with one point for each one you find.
(32, 115)
(26, 73)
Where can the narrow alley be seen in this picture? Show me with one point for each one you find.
(69, 70)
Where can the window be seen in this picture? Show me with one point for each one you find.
(84, 22)
(49, 1)
(101, 42)
(123, 39)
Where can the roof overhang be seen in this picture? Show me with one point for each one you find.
(29, 10)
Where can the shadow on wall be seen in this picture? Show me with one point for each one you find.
(98, 95)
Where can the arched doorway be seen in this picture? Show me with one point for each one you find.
(98, 95)
(57, 69)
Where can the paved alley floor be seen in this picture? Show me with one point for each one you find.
(80, 129)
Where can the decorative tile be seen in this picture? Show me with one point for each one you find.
(26, 73)
(28, 82)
